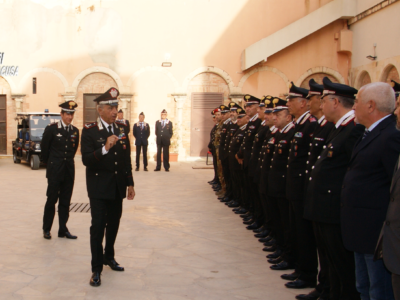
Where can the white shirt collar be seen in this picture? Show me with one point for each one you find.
(340, 121)
(320, 120)
(255, 117)
(234, 122)
(301, 117)
(263, 123)
(105, 123)
(63, 124)
(272, 128)
(284, 128)
(227, 121)
(243, 127)
(377, 123)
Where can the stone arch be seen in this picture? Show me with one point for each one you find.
(44, 70)
(264, 68)
(363, 78)
(389, 73)
(325, 70)
(11, 84)
(153, 68)
(92, 70)
(214, 70)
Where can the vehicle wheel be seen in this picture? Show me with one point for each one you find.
(15, 158)
(35, 162)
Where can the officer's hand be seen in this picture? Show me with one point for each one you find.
(240, 161)
(131, 192)
(111, 141)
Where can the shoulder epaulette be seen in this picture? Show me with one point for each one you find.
(52, 124)
(348, 120)
(275, 130)
(323, 123)
(90, 125)
(312, 119)
(291, 125)
(120, 123)
(306, 117)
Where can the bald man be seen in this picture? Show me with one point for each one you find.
(366, 187)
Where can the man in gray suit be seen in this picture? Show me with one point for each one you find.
(389, 242)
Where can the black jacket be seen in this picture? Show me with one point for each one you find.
(224, 132)
(256, 150)
(126, 123)
(245, 149)
(110, 172)
(141, 135)
(212, 137)
(366, 192)
(234, 145)
(322, 203)
(278, 168)
(264, 161)
(164, 134)
(231, 132)
(298, 155)
(58, 150)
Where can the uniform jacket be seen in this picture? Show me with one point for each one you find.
(224, 132)
(217, 136)
(164, 134)
(234, 145)
(58, 150)
(141, 135)
(245, 149)
(322, 203)
(366, 193)
(278, 168)
(256, 150)
(298, 155)
(264, 162)
(110, 172)
(126, 123)
(212, 137)
(390, 233)
(231, 132)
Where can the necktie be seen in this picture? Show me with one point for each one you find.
(365, 133)
(109, 129)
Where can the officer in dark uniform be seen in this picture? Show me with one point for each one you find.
(59, 144)
(164, 133)
(244, 155)
(282, 258)
(107, 157)
(319, 137)
(301, 229)
(396, 88)
(237, 134)
(141, 132)
(322, 203)
(215, 180)
(120, 119)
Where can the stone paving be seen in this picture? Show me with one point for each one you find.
(176, 241)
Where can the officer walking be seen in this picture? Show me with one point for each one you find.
(120, 119)
(107, 157)
(164, 133)
(59, 144)
(141, 132)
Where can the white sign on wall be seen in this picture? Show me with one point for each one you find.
(7, 70)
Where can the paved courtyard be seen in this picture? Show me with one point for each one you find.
(176, 241)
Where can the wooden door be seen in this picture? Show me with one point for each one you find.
(201, 124)
(89, 108)
(3, 125)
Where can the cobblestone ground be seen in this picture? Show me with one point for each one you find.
(176, 241)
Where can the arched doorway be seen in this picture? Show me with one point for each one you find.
(363, 79)
(390, 73)
(7, 113)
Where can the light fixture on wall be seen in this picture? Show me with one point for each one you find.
(373, 57)
(167, 60)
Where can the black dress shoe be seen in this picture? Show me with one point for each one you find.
(230, 202)
(145, 168)
(276, 254)
(258, 230)
(313, 295)
(262, 234)
(233, 204)
(275, 261)
(248, 219)
(292, 276)
(253, 226)
(246, 215)
(270, 243)
(67, 235)
(282, 266)
(299, 284)
(113, 264)
(47, 235)
(266, 239)
(137, 169)
(156, 170)
(95, 280)
(270, 249)
(249, 222)
(166, 170)
(241, 211)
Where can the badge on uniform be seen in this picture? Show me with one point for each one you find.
(252, 127)
(59, 135)
(283, 142)
(280, 151)
(249, 133)
(298, 134)
(271, 141)
(330, 153)
(330, 146)
(124, 147)
(101, 140)
(73, 145)
(295, 147)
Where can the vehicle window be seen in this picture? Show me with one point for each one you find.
(37, 124)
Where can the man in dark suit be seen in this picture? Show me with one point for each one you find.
(325, 182)
(120, 119)
(164, 134)
(141, 132)
(59, 144)
(106, 153)
(366, 192)
(389, 241)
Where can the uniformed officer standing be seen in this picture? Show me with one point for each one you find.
(220, 114)
(107, 157)
(301, 229)
(120, 119)
(59, 144)
(323, 202)
(211, 149)
(141, 132)
(319, 137)
(164, 134)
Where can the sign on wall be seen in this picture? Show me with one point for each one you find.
(7, 70)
